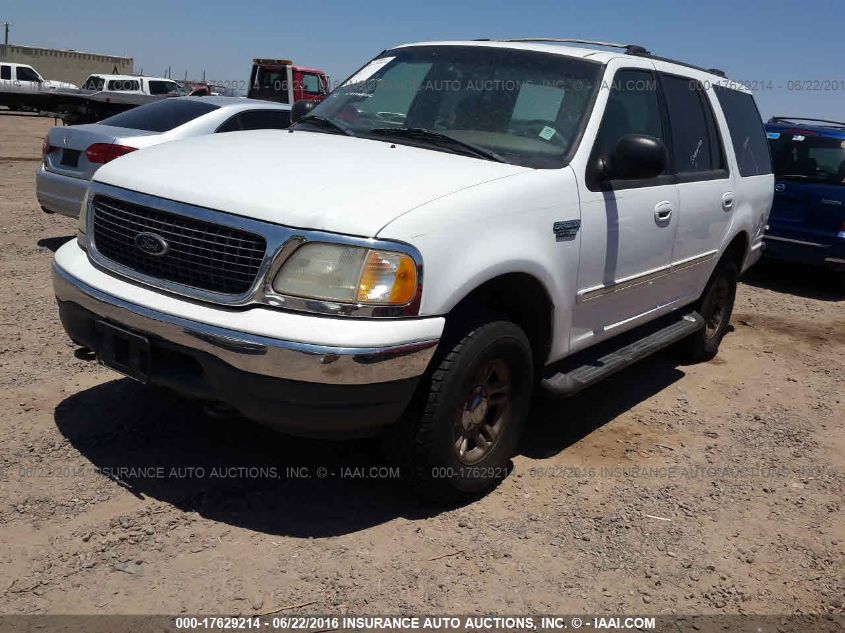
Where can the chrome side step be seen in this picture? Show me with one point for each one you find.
(589, 371)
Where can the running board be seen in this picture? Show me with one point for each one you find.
(592, 370)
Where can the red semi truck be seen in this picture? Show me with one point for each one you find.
(279, 80)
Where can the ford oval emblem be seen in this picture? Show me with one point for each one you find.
(151, 244)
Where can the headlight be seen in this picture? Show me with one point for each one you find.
(348, 274)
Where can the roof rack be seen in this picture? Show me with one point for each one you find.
(630, 49)
(780, 119)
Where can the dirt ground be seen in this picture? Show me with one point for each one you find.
(712, 488)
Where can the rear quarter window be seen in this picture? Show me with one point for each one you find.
(747, 131)
(161, 116)
(124, 84)
(5, 72)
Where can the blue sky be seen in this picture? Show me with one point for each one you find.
(775, 44)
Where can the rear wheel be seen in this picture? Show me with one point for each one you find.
(716, 307)
(459, 439)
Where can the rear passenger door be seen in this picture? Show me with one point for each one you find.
(627, 227)
(705, 188)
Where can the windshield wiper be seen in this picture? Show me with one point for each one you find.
(327, 124)
(438, 139)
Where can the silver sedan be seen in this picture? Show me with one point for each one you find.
(72, 154)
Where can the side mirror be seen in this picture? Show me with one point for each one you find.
(636, 157)
(301, 108)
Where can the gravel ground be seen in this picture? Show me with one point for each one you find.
(711, 488)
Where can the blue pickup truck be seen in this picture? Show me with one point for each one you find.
(807, 221)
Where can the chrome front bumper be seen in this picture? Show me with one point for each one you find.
(252, 353)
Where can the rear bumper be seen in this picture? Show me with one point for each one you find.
(303, 388)
(58, 193)
(805, 252)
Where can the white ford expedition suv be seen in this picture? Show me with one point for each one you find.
(457, 224)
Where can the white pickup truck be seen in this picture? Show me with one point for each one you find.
(456, 225)
(21, 86)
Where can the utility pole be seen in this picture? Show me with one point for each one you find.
(7, 25)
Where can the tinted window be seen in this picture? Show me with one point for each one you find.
(27, 74)
(747, 133)
(691, 142)
(94, 83)
(163, 87)
(257, 120)
(5, 72)
(160, 116)
(124, 84)
(806, 157)
(632, 108)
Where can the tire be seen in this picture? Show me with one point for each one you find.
(456, 443)
(716, 306)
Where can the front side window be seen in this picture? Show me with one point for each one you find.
(521, 107)
(632, 107)
(163, 87)
(312, 84)
(27, 74)
(804, 156)
(747, 132)
(94, 83)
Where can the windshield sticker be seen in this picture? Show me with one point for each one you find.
(547, 133)
(773, 135)
(798, 137)
(369, 70)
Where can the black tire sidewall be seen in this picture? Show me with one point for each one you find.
(503, 340)
(708, 347)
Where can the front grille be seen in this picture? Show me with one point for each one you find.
(201, 254)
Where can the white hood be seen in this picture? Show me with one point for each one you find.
(307, 180)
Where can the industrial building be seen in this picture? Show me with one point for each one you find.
(66, 65)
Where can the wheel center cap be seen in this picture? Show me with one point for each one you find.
(475, 410)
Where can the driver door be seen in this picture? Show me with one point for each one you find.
(628, 227)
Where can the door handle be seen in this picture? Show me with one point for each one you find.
(663, 212)
(728, 201)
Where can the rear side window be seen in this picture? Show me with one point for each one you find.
(747, 132)
(695, 143)
(124, 84)
(5, 72)
(161, 116)
(257, 120)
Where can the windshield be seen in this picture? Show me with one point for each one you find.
(803, 155)
(525, 107)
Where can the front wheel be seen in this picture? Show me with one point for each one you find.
(459, 441)
(716, 307)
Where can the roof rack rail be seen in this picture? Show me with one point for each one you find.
(778, 119)
(630, 49)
